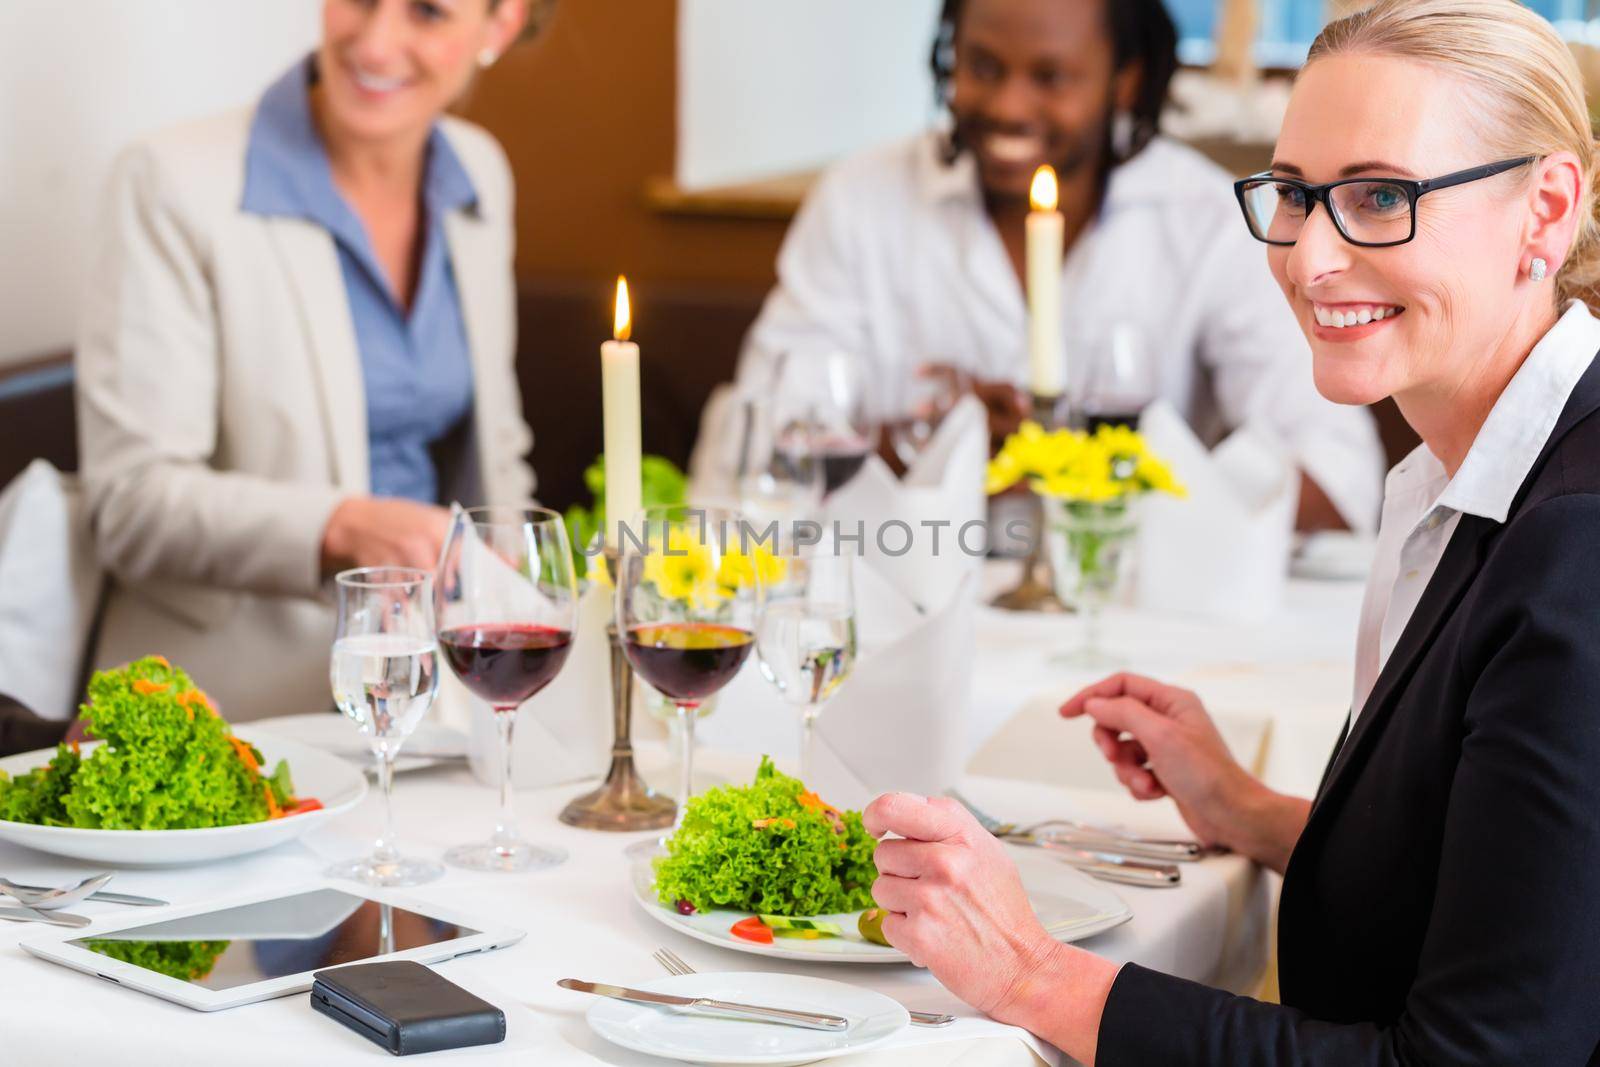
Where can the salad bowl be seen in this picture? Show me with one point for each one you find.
(337, 784)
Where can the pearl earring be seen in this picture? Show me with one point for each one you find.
(487, 57)
(1538, 269)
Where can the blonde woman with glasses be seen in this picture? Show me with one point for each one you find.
(1429, 215)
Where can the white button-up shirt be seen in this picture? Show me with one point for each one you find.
(893, 258)
(1422, 505)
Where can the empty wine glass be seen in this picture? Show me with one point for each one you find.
(689, 592)
(807, 637)
(822, 413)
(384, 673)
(1120, 379)
(507, 604)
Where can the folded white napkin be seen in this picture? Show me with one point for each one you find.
(897, 723)
(1223, 551)
(911, 529)
(50, 585)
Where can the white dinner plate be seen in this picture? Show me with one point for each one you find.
(328, 778)
(1071, 905)
(429, 744)
(702, 1038)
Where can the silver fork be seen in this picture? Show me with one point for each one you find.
(669, 959)
(51, 899)
(1107, 862)
(1093, 838)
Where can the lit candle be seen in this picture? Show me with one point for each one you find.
(1046, 238)
(619, 381)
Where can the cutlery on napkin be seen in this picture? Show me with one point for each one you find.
(810, 1020)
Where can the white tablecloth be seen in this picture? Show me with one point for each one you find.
(582, 922)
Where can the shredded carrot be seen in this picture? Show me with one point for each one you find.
(273, 811)
(163, 661)
(75, 748)
(145, 687)
(248, 757)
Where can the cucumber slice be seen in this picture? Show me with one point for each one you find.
(802, 927)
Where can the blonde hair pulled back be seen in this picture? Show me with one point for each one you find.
(1520, 73)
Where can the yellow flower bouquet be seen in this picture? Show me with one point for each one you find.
(1088, 484)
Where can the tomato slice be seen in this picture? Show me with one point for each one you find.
(753, 929)
(303, 806)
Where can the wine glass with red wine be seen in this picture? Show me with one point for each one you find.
(507, 601)
(1121, 379)
(689, 594)
(823, 415)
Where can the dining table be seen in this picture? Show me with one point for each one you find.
(1283, 680)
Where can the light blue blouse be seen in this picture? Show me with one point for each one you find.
(417, 368)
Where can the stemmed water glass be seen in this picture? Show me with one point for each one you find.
(807, 636)
(507, 604)
(689, 594)
(384, 673)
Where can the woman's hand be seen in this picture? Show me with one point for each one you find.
(366, 531)
(1161, 742)
(957, 907)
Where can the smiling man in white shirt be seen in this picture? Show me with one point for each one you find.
(911, 255)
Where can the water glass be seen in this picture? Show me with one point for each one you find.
(384, 674)
(807, 637)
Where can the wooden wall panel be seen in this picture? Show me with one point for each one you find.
(587, 112)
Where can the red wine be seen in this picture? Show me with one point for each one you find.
(840, 464)
(505, 663)
(688, 661)
(1093, 420)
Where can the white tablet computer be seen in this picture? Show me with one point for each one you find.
(221, 955)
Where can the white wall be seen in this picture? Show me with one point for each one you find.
(77, 79)
(766, 88)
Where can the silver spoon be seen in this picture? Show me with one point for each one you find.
(53, 898)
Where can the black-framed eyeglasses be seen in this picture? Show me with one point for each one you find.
(1370, 212)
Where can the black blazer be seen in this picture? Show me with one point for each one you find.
(1442, 906)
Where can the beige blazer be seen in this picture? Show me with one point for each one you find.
(222, 416)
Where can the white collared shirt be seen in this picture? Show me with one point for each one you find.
(1422, 505)
(894, 258)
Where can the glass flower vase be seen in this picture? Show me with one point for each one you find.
(1090, 546)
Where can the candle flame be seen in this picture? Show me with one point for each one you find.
(622, 324)
(1043, 194)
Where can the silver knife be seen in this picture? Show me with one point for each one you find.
(107, 897)
(34, 915)
(1170, 851)
(808, 1019)
(1114, 868)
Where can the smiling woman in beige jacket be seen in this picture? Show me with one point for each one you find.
(298, 343)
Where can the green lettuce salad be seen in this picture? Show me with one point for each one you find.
(770, 847)
(169, 762)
